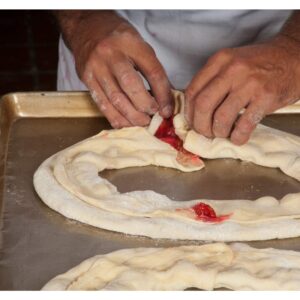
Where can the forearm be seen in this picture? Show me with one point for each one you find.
(289, 36)
(77, 24)
(291, 28)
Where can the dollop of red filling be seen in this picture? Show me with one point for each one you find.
(206, 213)
(166, 133)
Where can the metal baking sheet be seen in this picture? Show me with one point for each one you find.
(36, 243)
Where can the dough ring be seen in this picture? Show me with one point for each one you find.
(68, 182)
(207, 267)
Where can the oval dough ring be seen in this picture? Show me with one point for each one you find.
(68, 182)
(206, 267)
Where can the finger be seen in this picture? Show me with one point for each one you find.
(189, 105)
(207, 101)
(213, 66)
(157, 78)
(203, 77)
(132, 84)
(120, 101)
(247, 122)
(113, 116)
(227, 113)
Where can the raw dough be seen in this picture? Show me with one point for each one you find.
(236, 267)
(69, 183)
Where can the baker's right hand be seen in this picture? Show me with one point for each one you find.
(109, 54)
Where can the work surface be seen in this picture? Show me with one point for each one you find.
(38, 243)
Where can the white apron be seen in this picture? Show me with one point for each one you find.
(183, 40)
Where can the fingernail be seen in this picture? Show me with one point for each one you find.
(167, 111)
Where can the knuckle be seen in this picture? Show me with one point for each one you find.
(220, 130)
(95, 96)
(117, 121)
(85, 70)
(156, 74)
(87, 75)
(116, 98)
(266, 92)
(198, 128)
(221, 55)
(149, 49)
(254, 82)
(203, 103)
(201, 127)
(102, 107)
(125, 124)
(88, 71)
(246, 125)
(128, 33)
(204, 131)
(142, 108)
(139, 120)
(190, 93)
(238, 139)
(237, 66)
(256, 117)
(128, 78)
(221, 117)
(219, 81)
(104, 48)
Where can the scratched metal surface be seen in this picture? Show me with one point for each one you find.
(37, 243)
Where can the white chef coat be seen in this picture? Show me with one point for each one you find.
(183, 40)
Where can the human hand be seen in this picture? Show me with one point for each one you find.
(108, 53)
(260, 78)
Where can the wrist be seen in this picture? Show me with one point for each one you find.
(287, 42)
(81, 29)
(291, 48)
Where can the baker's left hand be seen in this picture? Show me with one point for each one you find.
(260, 78)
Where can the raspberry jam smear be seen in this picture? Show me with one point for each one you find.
(206, 213)
(166, 133)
